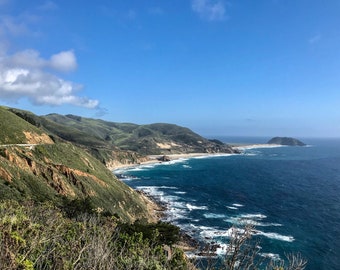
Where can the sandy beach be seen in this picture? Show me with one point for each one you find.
(154, 159)
(254, 146)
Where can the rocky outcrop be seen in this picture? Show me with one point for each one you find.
(164, 158)
(53, 172)
(286, 141)
(34, 138)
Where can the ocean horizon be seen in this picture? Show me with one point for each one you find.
(289, 194)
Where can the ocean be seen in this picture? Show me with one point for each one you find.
(290, 194)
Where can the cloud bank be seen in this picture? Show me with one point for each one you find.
(212, 10)
(26, 74)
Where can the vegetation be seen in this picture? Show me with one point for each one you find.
(41, 237)
(54, 172)
(12, 127)
(243, 253)
(61, 208)
(161, 233)
(144, 139)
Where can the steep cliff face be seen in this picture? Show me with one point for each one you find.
(51, 172)
(34, 138)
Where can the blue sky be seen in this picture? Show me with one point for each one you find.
(237, 67)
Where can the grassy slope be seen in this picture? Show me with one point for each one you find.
(11, 128)
(143, 139)
(50, 171)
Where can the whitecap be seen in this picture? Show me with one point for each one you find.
(222, 249)
(137, 169)
(232, 207)
(175, 161)
(252, 216)
(256, 146)
(212, 215)
(237, 205)
(180, 192)
(276, 236)
(275, 257)
(211, 232)
(194, 207)
(167, 187)
(213, 156)
(243, 221)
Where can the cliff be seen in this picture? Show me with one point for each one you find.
(33, 166)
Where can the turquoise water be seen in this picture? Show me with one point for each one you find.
(290, 194)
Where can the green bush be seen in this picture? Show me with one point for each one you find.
(40, 236)
(162, 233)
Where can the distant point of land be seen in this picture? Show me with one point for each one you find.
(286, 141)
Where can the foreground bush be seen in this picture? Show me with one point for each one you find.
(41, 237)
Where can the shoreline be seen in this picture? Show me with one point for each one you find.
(158, 209)
(158, 159)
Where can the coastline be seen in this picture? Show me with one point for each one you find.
(244, 147)
(157, 159)
(157, 209)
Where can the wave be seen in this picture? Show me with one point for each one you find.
(237, 205)
(194, 207)
(172, 162)
(275, 257)
(180, 192)
(257, 146)
(213, 156)
(276, 236)
(211, 215)
(167, 187)
(251, 219)
(252, 216)
(242, 222)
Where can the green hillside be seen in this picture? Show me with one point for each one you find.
(12, 127)
(59, 171)
(68, 157)
(159, 138)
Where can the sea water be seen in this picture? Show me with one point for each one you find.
(290, 194)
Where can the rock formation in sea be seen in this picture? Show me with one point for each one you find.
(286, 141)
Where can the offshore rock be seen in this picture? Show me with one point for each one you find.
(286, 141)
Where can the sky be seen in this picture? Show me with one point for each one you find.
(218, 67)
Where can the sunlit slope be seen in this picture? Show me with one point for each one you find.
(15, 130)
(159, 138)
(58, 171)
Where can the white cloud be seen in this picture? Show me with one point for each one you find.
(28, 75)
(64, 61)
(26, 58)
(24, 75)
(212, 10)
